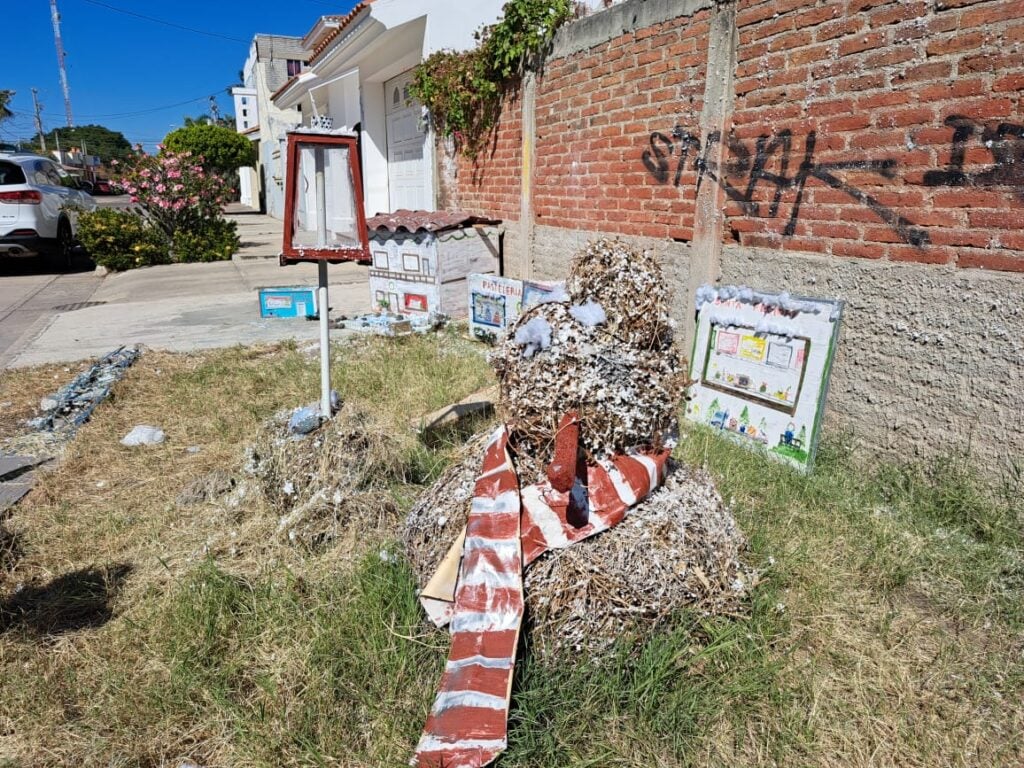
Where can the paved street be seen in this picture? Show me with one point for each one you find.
(113, 201)
(47, 317)
(30, 295)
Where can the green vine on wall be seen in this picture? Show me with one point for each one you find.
(463, 91)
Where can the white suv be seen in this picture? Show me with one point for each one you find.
(39, 205)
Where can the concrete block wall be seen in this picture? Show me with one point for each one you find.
(869, 150)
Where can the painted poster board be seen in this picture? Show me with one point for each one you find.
(761, 364)
(494, 304)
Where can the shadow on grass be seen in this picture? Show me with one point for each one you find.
(78, 600)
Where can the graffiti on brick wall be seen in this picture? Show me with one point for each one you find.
(667, 157)
(1004, 141)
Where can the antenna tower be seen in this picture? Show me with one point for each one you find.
(55, 17)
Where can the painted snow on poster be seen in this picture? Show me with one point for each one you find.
(761, 365)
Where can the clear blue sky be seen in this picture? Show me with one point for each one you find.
(118, 63)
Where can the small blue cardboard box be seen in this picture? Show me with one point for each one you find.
(291, 301)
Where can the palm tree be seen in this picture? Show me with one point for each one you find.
(5, 98)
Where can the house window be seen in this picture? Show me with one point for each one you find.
(380, 298)
(245, 113)
(294, 67)
(415, 302)
(245, 101)
(245, 123)
(411, 262)
(380, 259)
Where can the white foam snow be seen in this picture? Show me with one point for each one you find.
(589, 314)
(535, 335)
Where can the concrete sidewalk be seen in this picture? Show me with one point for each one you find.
(182, 307)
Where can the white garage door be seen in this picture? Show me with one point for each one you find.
(407, 164)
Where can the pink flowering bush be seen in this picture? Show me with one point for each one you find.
(185, 201)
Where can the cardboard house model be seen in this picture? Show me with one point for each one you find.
(420, 259)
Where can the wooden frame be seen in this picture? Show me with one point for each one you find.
(289, 253)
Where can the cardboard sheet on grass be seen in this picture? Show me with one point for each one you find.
(761, 367)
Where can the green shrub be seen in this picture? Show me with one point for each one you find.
(219, 149)
(209, 240)
(121, 240)
(463, 91)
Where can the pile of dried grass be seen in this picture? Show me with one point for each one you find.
(629, 284)
(678, 548)
(624, 375)
(442, 510)
(606, 352)
(329, 481)
(625, 396)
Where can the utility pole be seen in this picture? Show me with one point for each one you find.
(39, 119)
(55, 18)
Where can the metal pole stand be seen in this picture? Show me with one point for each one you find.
(323, 308)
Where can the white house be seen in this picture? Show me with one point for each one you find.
(273, 59)
(358, 74)
(247, 124)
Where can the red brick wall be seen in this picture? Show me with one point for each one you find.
(490, 184)
(595, 116)
(877, 129)
(914, 116)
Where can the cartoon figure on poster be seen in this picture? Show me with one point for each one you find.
(489, 310)
(761, 365)
(494, 304)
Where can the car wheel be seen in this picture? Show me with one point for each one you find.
(63, 255)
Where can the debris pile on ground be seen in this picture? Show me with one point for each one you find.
(70, 406)
(394, 323)
(678, 548)
(606, 352)
(328, 481)
(307, 418)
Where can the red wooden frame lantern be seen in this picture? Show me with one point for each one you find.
(323, 200)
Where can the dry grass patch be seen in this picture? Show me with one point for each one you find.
(22, 389)
(888, 629)
(139, 631)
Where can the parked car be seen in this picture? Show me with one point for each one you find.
(102, 186)
(39, 205)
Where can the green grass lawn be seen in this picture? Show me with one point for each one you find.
(888, 628)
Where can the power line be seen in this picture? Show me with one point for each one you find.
(166, 23)
(150, 110)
